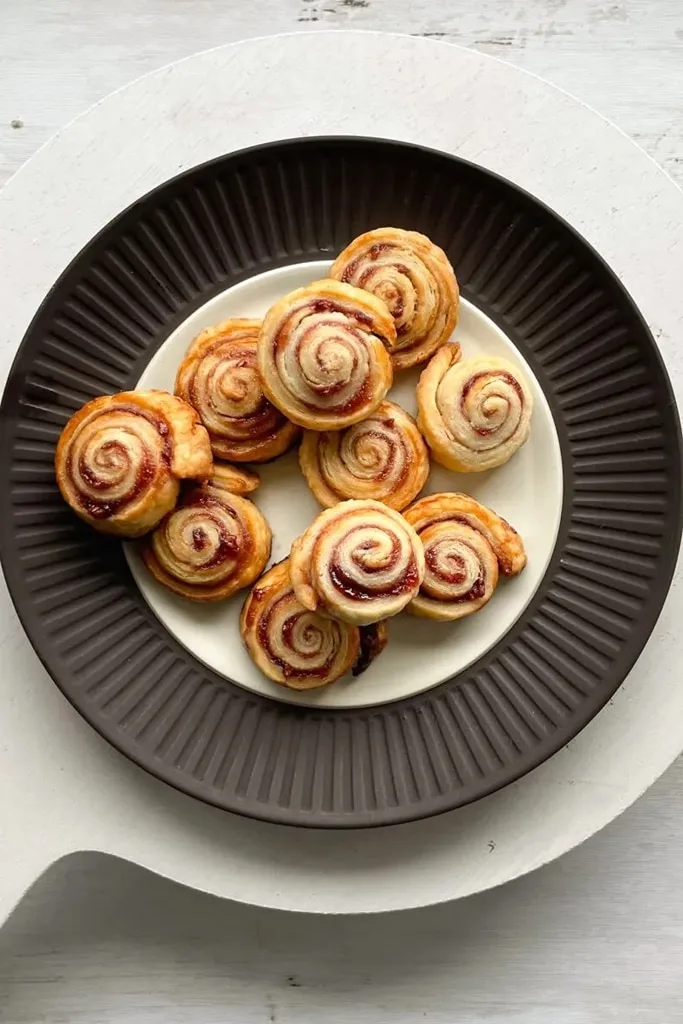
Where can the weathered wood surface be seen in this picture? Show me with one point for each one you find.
(623, 57)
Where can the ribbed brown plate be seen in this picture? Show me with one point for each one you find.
(618, 428)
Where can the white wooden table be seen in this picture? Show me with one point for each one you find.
(597, 936)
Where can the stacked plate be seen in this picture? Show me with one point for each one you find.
(450, 712)
(447, 714)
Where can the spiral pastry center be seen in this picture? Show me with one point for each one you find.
(113, 458)
(467, 547)
(321, 354)
(383, 458)
(369, 453)
(107, 461)
(201, 542)
(219, 377)
(395, 287)
(371, 560)
(455, 570)
(237, 389)
(414, 279)
(359, 561)
(300, 642)
(485, 412)
(327, 356)
(492, 405)
(401, 280)
(227, 391)
(403, 276)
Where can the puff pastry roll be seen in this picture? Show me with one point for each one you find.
(466, 547)
(414, 278)
(218, 377)
(322, 355)
(474, 413)
(383, 457)
(215, 542)
(296, 647)
(360, 562)
(120, 459)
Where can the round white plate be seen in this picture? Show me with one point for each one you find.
(227, 99)
(527, 492)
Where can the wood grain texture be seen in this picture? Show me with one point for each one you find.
(595, 937)
(622, 57)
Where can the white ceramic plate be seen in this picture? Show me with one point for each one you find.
(527, 491)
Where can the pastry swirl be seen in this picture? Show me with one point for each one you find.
(466, 546)
(213, 543)
(296, 647)
(475, 413)
(360, 562)
(382, 457)
(415, 280)
(234, 479)
(120, 459)
(322, 356)
(218, 377)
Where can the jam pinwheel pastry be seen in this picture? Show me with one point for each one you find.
(214, 542)
(120, 459)
(218, 377)
(360, 562)
(466, 547)
(322, 355)
(383, 457)
(299, 648)
(474, 413)
(415, 280)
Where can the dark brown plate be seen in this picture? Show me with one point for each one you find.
(594, 610)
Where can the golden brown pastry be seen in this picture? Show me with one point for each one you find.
(382, 457)
(235, 479)
(120, 459)
(474, 413)
(416, 281)
(322, 356)
(360, 562)
(466, 546)
(214, 542)
(296, 647)
(219, 378)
